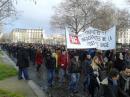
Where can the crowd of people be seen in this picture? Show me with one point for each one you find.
(103, 73)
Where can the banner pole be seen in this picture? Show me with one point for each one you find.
(66, 44)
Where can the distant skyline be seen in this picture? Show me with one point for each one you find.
(39, 15)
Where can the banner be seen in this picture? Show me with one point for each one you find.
(92, 38)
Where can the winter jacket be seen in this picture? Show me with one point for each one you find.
(119, 64)
(108, 89)
(58, 58)
(22, 58)
(39, 58)
(64, 61)
(75, 67)
(50, 62)
(33, 53)
(124, 86)
(87, 69)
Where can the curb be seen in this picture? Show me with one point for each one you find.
(36, 89)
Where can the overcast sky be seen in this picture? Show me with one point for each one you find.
(38, 16)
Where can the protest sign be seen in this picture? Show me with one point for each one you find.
(92, 38)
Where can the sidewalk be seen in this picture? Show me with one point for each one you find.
(27, 88)
(14, 85)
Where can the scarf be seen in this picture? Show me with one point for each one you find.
(127, 82)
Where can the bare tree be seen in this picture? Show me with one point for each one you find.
(79, 14)
(75, 14)
(128, 1)
(107, 16)
(6, 9)
(123, 17)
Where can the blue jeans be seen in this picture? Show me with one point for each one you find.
(86, 82)
(23, 71)
(73, 85)
(50, 76)
(62, 75)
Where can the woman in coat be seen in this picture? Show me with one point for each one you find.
(50, 63)
(94, 76)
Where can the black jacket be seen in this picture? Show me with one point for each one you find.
(22, 58)
(87, 68)
(119, 64)
(122, 82)
(108, 90)
(50, 62)
(75, 67)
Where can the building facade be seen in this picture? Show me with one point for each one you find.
(56, 39)
(124, 37)
(27, 35)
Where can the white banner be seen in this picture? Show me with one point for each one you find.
(92, 38)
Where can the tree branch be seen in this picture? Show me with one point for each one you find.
(4, 3)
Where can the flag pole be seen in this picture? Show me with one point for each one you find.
(66, 44)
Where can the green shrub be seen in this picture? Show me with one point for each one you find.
(6, 71)
(4, 93)
(1, 53)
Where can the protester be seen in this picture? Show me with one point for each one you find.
(97, 77)
(32, 54)
(124, 82)
(120, 62)
(63, 66)
(50, 63)
(109, 87)
(38, 59)
(22, 63)
(55, 55)
(93, 79)
(127, 57)
(74, 70)
(88, 71)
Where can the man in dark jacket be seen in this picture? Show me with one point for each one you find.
(124, 82)
(22, 63)
(50, 63)
(74, 70)
(32, 55)
(109, 86)
(88, 71)
(120, 62)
